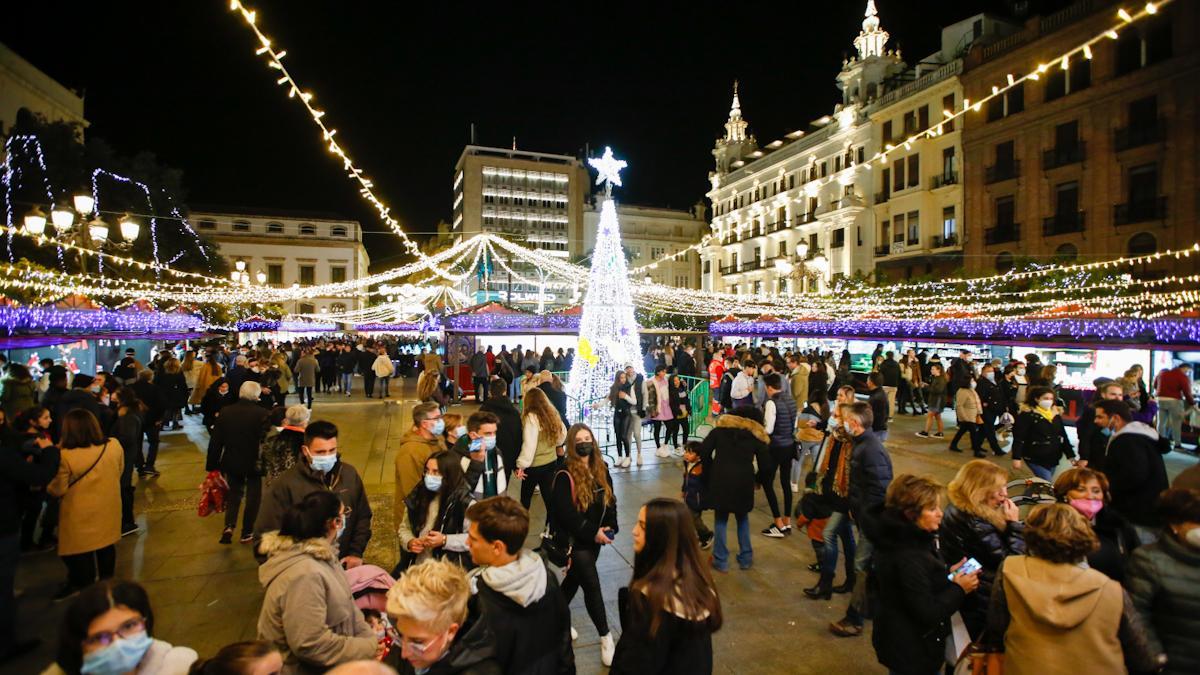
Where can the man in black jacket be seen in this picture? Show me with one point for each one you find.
(346, 362)
(870, 475)
(509, 431)
(320, 468)
(878, 401)
(16, 477)
(890, 370)
(151, 396)
(1134, 466)
(724, 395)
(366, 359)
(519, 597)
(1093, 441)
(233, 450)
(80, 395)
(992, 399)
(962, 369)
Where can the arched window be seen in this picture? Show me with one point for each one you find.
(306, 308)
(308, 228)
(1142, 243)
(274, 228)
(337, 231)
(1066, 253)
(337, 307)
(1004, 262)
(241, 226)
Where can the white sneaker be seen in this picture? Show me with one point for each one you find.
(639, 457)
(795, 488)
(607, 649)
(662, 451)
(626, 462)
(574, 634)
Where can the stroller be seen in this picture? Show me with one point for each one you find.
(369, 585)
(1028, 492)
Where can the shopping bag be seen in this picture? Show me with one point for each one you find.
(213, 491)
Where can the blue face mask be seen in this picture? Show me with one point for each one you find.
(489, 442)
(122, 656)
(324, 463)
(433, 483)
(1107, 431)
(847, 427)
(439, 426)
(340, 530)
(460, 430)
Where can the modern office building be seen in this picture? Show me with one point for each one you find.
(279, 248)
(1095, 159)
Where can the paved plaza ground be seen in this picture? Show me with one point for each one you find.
(206, 595)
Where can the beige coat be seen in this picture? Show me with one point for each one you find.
(410, 465)
(204, 380)
(967, 404)
(90, 516)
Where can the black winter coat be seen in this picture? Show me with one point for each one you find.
(880, 408)
(508, 432)
(1040, 441)
(451, 519)
(991, 397)
(870, 473)
(16, 477)
(728, 454)
(1136, 473)
(151, 396)
(472, 653)
(569, 524)
(293, 485)
(1164, 583)
(890, 370)
(1118, 539)
(916, 600)
(964, 535)
(174, 389)
(233, 445)
(679, 647)
(525, 640)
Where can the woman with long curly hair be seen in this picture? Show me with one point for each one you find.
(584, 518)
(542, 434)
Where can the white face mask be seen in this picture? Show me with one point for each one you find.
(1193, 537)
(1046, 403)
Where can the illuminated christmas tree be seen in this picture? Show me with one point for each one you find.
(608, 333)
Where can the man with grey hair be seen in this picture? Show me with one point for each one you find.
(233, 450)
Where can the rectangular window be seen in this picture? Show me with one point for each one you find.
(923, 118)
(241, 226)
(207, 225)
(839, 238)
(887, 131)
(657, 252)
(885, 232)
(887, 182)
(898, 228)
(782, 248)
(275, 274)
(1015, 100)
(898, 176)
(914, 170)
(337, 275)
(308, 275)
(948, 106)
(1143, 184)
(791, 181)
(910, 123)
(758, 288)
(1005, 154)
(757, 255)
(681, 281)
(949, 223)
(862, 154)
(782, 288)
(1066, 202)
(1143, 112)
(824, 168)
(837, 163)
(707, 266)
(734, 260)
(1066, 137)
(1005, 212)
(812, 243)
(949, 164)
(914, 228)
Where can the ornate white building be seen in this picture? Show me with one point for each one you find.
(652, 234)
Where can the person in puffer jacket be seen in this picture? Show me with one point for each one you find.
(1134, 466)
(308, 612)
(517, 595)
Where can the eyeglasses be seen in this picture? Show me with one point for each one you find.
(418, 648)
(127, 629)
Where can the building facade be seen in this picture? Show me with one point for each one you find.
(284, 249)
(533, 198)
(22, 85)
(651, 234)
(1092, 161)
(792, 215)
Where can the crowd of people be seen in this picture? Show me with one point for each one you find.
(1105, 572)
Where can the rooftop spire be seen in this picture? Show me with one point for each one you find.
(872, 39)
(735, 128)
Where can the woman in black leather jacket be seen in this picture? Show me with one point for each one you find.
(981, 522)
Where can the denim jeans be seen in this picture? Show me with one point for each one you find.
(838, 526)
(306, 395)
(1043, 472)
(745, 556)
(347, 380)
(382, 383)
(1170, 419)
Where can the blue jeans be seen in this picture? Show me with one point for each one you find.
(838, 526)
(347, 380)
(745, 555)
(382, 384)
(1043, 472)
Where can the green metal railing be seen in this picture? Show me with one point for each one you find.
(700, 398)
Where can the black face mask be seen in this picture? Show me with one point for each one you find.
(584, 449)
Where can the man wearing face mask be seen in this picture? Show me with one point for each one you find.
(992, 399)
(416, 445)
(1093, 441)
(321, 468)
(1134, 466)
(482, 463)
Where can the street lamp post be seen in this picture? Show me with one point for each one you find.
(91, 231)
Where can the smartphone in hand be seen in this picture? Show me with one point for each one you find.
(971, 566)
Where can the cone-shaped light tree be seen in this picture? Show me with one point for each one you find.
(608, 333)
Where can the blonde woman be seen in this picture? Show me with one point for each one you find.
(209, 372)
(429, 607)
(981, 522)
(584, 517)
(542, 434)
(428, 389)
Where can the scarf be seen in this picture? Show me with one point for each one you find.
(1049, 414)
(841, 476)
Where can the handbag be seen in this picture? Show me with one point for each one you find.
(975, 661)
(556, 552)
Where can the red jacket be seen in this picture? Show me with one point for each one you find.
(1174, 383)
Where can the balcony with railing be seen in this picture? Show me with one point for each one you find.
(1137, 135)
(729, 269)
(943, 241)
(940, 180)
(999, 172)
(1002, 234)
(881, 251)
(1140, 212)
(805, 218)
(752, 265)
(846, 202)
(1064, 155)
(1063, 223)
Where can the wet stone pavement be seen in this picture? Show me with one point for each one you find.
(206, 595)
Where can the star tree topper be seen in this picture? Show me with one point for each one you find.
(609, 170)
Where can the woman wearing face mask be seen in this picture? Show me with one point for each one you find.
(308, 612)
(1164, 581)
(108, 630)
(439, 634)
(218, 396)
(671, 608)
(455, 427)
(584, 518)
(434, 525)
(1039, 436)
(970, 417)
(1086, 490)
(981, 522)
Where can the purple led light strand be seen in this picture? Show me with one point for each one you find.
(46, 319)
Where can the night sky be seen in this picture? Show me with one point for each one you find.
(403, 81)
